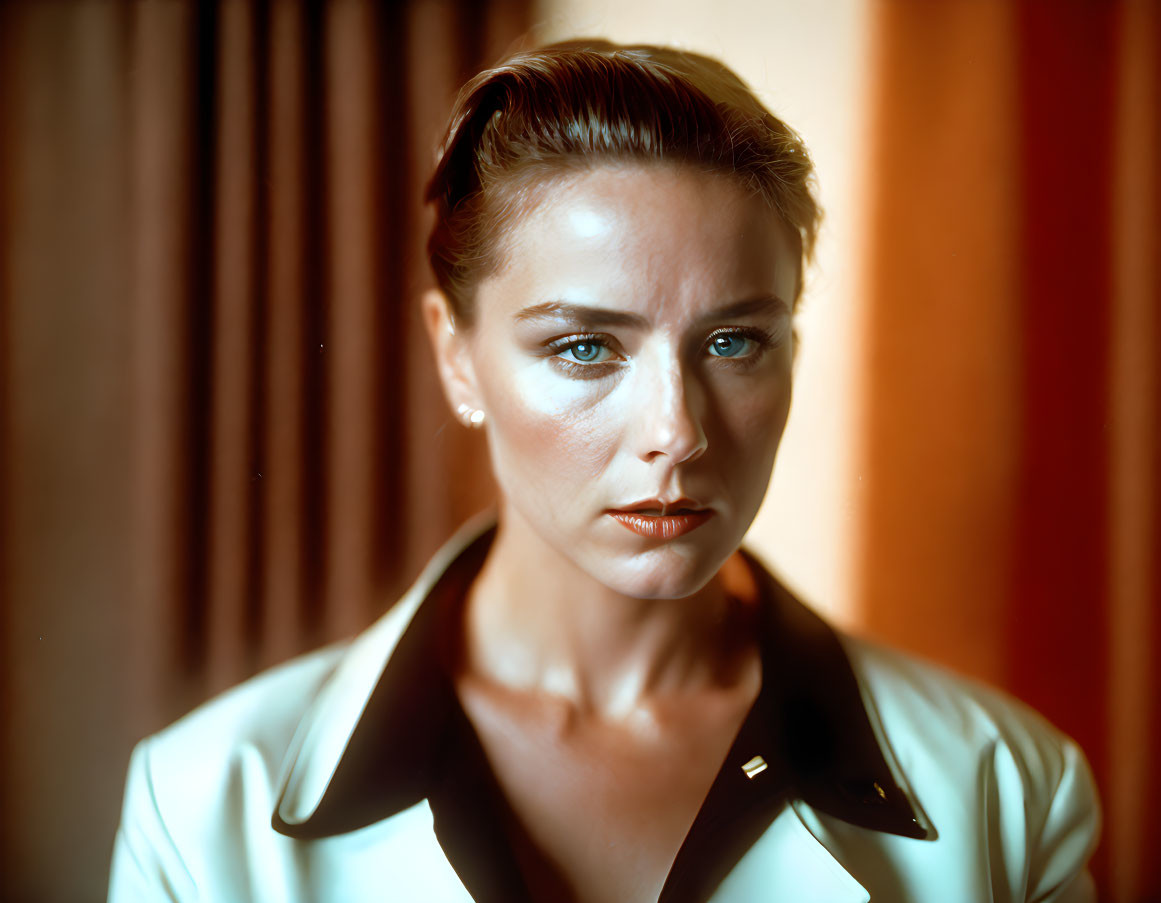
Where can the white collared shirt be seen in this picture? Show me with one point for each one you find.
(909, 784)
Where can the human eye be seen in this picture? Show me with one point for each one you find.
(739, 343)
(583, 356)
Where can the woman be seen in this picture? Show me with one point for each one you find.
(599, 697)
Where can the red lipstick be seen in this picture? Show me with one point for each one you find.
(661, 520)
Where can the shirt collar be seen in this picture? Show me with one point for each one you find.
(369, 744)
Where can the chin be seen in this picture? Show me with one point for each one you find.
(671, 570)
(663, 573)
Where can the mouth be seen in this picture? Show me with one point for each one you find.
(654, 507)
(656, 519)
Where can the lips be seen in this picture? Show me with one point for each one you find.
(664, 520)
(661, 506)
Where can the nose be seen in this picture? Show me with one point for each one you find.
(670, 418)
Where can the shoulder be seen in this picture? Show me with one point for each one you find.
(923, 705)
(986, 769)
(194, 767)
(199, 789)
(258, 717)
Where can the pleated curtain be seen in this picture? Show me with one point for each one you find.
(1011, 462)
(223, 442)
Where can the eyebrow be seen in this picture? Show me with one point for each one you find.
(600, 317)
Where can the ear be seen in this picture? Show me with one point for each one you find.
(450, 349)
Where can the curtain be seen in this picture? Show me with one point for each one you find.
(1011, 461)
(221, 440)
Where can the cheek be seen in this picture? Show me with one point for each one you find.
(752, 420)
(548, 430)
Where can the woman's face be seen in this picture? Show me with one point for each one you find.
(635, 348)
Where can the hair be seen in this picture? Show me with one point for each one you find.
(572, 105)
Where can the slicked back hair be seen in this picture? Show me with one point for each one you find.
(573, 105)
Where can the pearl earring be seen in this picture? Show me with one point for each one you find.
(471, 417)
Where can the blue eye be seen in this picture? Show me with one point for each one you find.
(584, 349)
(586, 352)
(584, 356)
(729, 345)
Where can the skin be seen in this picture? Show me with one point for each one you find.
(590, 653)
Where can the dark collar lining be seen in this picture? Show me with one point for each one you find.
(398, 746)
(809, 714)
(825, 735)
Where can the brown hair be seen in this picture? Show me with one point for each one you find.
(573, 104)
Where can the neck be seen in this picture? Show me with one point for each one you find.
(535, 622)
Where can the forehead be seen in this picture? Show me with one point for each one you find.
(656, 238)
